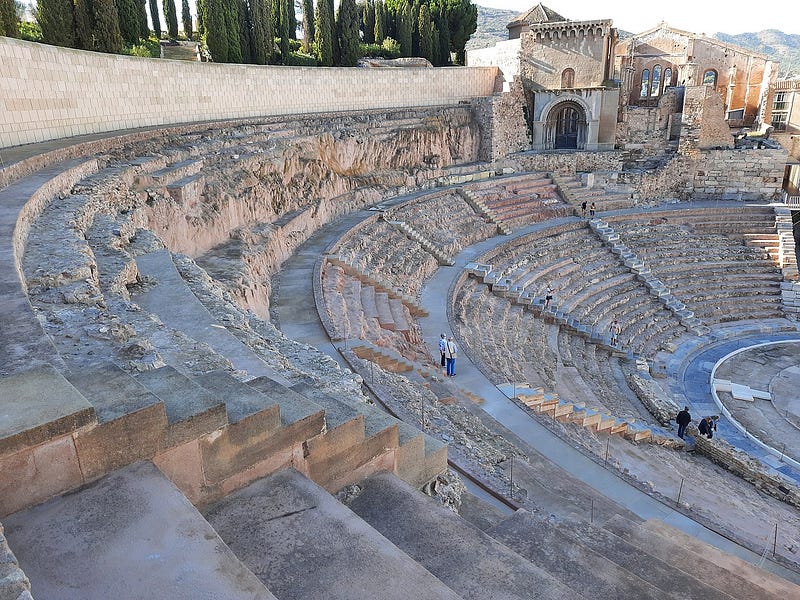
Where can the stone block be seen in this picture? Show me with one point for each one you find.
(39, 405)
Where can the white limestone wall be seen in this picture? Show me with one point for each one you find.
(48, 92)
(504, 54)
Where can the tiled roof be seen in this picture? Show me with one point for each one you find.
(538, 14)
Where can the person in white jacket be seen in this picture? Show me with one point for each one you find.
(451, 352)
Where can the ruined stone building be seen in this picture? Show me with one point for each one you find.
(651, 62)
(562, 69)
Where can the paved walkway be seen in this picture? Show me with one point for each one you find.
(293, 304)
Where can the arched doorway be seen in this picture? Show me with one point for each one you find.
(566, 127)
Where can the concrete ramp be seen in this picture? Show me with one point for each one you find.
(128, 536)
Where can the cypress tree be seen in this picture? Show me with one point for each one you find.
(141, 12)
(245, 29)
(437, 61)
(347, 33)
(128, 20)
(380, 22)
(404, 27)
(84, 24)
(308, 25)
(186, 18)
(8, 19)
(292, 20)
(231, 13)
(425, 33)
(444, 41)
(324, 33)
(57, 21)
(284, 31)
(263, 35)
(369, 22)
(171, 16)
(155, 18)
(216, 35)
(106, 27)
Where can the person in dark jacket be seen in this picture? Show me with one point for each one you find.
(683, 419)
(707, 427)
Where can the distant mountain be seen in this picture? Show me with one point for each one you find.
(491, 27)
(779, 46)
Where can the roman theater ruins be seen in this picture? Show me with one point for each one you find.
(223, 289)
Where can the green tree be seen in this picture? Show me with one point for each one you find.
(425, 33)
(84, 24)
(284, 30)
(171, 16)
(216, 36)
(462, 19)
(324, 33)
(155, 17)
(106, 33)
(369, 22)
(292, 20)
(444, 41)
(404, 30)
(57, 21)
(308, 25)
(8, 18)
(380, 22)
(347, 33)
(263, 34)
(231, 12)
(128, 20)
(141, 12)
(186, 19)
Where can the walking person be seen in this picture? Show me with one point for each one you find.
(615, 329)
(442, 349)
(583, 208)
(683, 419)
(451, 352)
(591, 210)
(548, 296)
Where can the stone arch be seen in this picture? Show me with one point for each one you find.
(710, 77)
(566, 125)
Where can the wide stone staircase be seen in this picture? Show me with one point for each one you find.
(284, 536)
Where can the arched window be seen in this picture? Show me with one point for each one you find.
(667, 77)
(655, 87)
(566, 127)
(645, 83)
(710, 77)
(567, 79)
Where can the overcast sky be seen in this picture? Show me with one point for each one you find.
(697, 16)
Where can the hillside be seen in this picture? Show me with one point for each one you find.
(779, 46)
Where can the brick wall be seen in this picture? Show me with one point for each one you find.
(48, 92)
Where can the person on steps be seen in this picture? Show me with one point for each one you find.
(683, 419)
(450, 354)
(707, 427)
(442, 349)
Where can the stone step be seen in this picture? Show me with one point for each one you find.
(384, 311)
(302, 543)
(356, 434)
(467, 560)
(131, 420)
(191, 410)
(720, 570)
(638, 561)
(127, 536)
(581, 568)
(41, 412)
(397, 310)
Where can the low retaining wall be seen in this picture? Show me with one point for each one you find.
(50, 92)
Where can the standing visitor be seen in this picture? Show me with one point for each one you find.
(442, 348)
(451, 351)
(683, 419)
(616, 329)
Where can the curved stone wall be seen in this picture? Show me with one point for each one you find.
(49, 92)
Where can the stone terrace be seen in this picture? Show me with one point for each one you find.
(701, 256)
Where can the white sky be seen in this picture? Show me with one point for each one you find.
(697, 16)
